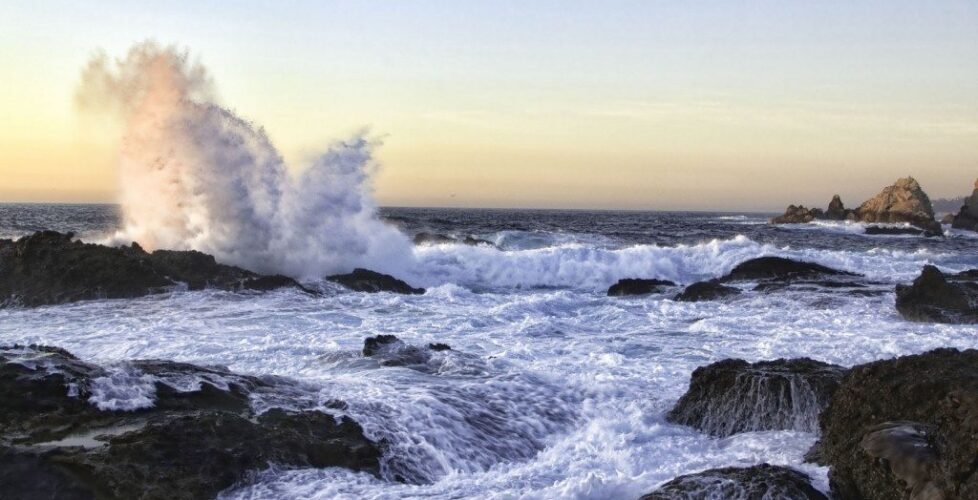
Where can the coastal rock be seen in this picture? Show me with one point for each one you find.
(637, 287)
(936, 297)
(733, 396)
(905, 428)
(894, 231)
(194, 435)
(904, 201)
(967, 217)
(797, 215)
(392, 351)
(365, 280)
(425, 238)
(948, 219)
(47, 267)
(836, 210)
(706, 290)
(761, 481)
(781, 269)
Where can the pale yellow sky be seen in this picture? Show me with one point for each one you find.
(654, 105)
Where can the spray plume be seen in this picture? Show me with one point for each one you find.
(193, 175)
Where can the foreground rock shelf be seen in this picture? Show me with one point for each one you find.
(740, 483)
(60, 438)
(937, 297)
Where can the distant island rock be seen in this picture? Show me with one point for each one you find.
(967, 217)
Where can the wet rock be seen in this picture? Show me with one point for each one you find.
(905, 428)
(967, 217)
(797, 215)
(733, 396)
(948, 219)
(782, 269)
(630, 286)
(904, 201)
(936, 297)
(365, 280)
(27, 476)
(836, 210)
(893, 230)
(437, 346)
(425, 238)
(706, 290)
(392, 351)
(47, 267)
(759, 482)
(199, 436)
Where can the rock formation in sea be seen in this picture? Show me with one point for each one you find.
(836, 210)
(781, 269)
(365, 280)
(154, 429)
(758, 482)
(905, 428)
(706, 290)
(424, 238)
(967, 217)
(936, 297)
(632, 286)
(733, 396)
(798, 214)
(48, 267)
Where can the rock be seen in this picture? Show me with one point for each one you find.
(948, 219)
(836, 210)
(637, 287)
(797, 215)
(733, 396)
(759, 482)
(197, 437)
(392, 351)
(425, 238)
(780, 268)
(706, 290)
(365, 280)
(967, 217)
(438, 346)
(47, 267)
(904, 201)
(933, 297)
(905, 428)
(890, 231)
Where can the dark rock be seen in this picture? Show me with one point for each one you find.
(904, 201)
(836, 210)
(934, 298)
(437, 346)
(49, 268)
(706, 290)
(192, 443)
(797, 215)
(423, 238)
(889, 230)
(374, 345)
(365, 280)
(779, 268)
(389, 350)
(967, 217)
(733, 396)
(630, 286)
(948, 219)
(905, 428)
(469, 240)
(759, 482)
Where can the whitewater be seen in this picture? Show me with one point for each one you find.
(551, 389)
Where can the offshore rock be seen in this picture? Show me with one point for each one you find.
(740, 483)
(836, 210)
(733, 396)
(904, 201)
(797, 215)
(967, 217)
(894, 231)
(781, 269)
(939, 298)
(365, 280)
(905, 428)
(630, 286)
(425, 238)
(706, 290)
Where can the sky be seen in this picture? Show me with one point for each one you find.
(687, 105)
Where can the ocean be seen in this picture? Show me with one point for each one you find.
(552, 389)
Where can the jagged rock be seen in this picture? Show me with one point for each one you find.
(47, 267)
(365, 280)
(797, 215)
(629, 286)
(836, 210)
(780, 268)
(198, 436)
(905, 428)
(392, 351)
(759, 482)
(967, 217)
(936, 297)
(706, 290)
(423, 238)
(733, 396)
(904, 201)
(890, 231)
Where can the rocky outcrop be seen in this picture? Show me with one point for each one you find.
(967, 217)
(425, 238)
(939, 298)
(836, 210)
(192, 434)
(904, 201)
(781, 269)
(388, 350)
(365, 280)
(629, 286)
(48, 267)
(733, 396)
(905, 428)
(894, 231)
(797, 215)
(761, 481)
(706, 290)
